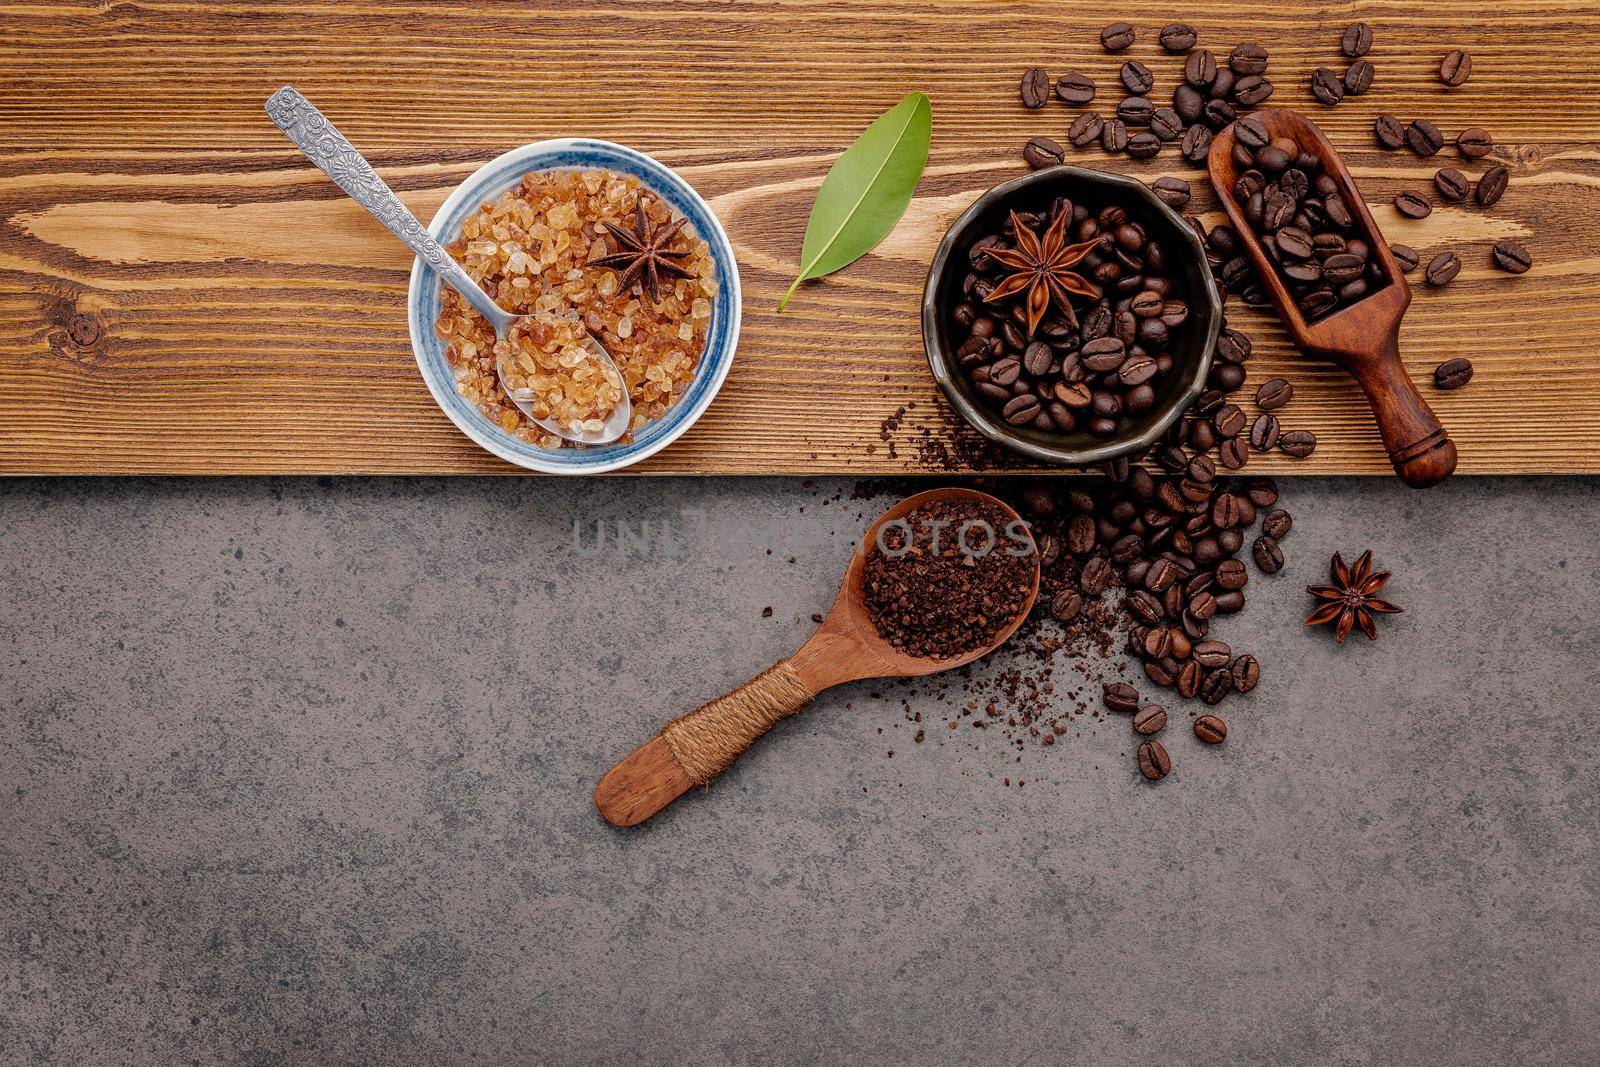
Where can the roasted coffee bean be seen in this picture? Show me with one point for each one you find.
(1492, 186)
(1235, 453)
(1080, 533)
(1142, 606)
(1117, 37)
(1178, 37)
(1358, 77)
(1174, 192)
(1231, 575)
(1066, 605)
(1277, 524)
(1103, 354)
(1202, 606)
(1297, 443)
(1189, 677)
(1424, 137)
(1474, 143)
(1405, 257)
(1166, 124)
(1252, 134)
(1452, 373)
(1095, 576)
(1413, 205)
(1212, 654)
(1036, 359)
(1273, 393)
(1200, 69)
(1389, 132)
(1357, 40)
(1188, 104)
(1120, 696)
(1269, 557)
(1085, 129)
(1226, 377)
(1154, 763)
(1135, 110)
(1075, 89)
(1452, 184)
(1136, 77)
(1210, 729)
(1161, 576)
(1233, 346)
(1144, 145)
(1150, 719)
(1042, 152)
(1137, 370)
(1248, 59)
(1511, 257)
(1219, 113)
(1264, 433)
(1327, 86)
(1252, 90)
(1035, 87)
(1114, 135)
(1218, 684)
(1246, 673)
(1160, 672)
(1262, 492)
(1442, 268)
(1221, 86)
(1228, 421)
(1455, 68)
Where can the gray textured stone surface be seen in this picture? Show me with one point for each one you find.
(300, 771)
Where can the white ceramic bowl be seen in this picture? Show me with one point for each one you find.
(492, 180)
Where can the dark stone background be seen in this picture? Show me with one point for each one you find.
(300, 771)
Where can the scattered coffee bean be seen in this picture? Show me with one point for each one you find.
(1174, 192)
(1248, 59)
(1114, 135)
(1252, 90)
(1492, 186)
(1277, 524)
(1120, 696)
(1042, 152)
(1085, 129)
(1234, 453)
(1358, 77)
(1405, 257)
(1210, 729)
(1165, 124)
(1327, 86)
(1035, 88)
(1389, 132)
(1200, 69)
(1196, 144)
(1218, 684)
(1150, 719)
(1413, 205)
(1117, 37)
(1357, 40)
(1452, 373)
(1178, 37)
(1442, 268)
(1424, 137)
(1452, 184)
(1075, 88)
(1246, 673)
(1264, 433)
(1154, 763)
(1297, 443)
(1512, 257)
(1455, 69)
(1269, 557)
(1136, 77)
(1273, 393)
(1144, 145)
(1474, 143)
(1135, 110)
(1229, 421)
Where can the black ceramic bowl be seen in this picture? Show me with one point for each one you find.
(1186, 263)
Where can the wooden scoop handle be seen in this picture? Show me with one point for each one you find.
(695, 748)
(1419, 448)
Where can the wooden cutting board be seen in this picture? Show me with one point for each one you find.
(181, 292)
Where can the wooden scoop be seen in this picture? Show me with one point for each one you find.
(1363, 338)
(846, 647)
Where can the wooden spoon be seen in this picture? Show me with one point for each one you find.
(845, 648)
(1363, 338)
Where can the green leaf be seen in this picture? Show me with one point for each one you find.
(867, 190)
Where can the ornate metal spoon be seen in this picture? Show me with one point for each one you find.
(325, 146)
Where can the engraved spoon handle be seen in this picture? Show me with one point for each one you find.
(329, 149)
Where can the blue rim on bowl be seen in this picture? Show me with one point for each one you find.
(492, 180)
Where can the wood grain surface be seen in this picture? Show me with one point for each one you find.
(181, 292)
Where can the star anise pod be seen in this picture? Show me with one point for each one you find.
(1351, 599)
(644, 255)
(1043, 268)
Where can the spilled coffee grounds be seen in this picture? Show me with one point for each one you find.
(947, 578)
